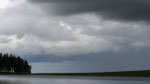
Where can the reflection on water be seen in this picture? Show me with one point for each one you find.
(10, 82)
(70, 80)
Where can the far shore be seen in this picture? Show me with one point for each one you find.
(140, 73)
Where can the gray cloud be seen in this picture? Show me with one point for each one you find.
(68, 35)
(133, 58)
(124, 55)
(84, 36)
(45, 58)
(114, 9)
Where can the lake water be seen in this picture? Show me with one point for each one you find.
(71, 80)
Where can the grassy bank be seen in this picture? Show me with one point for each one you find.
(144, 73)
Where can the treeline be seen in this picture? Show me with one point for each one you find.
(11, 63)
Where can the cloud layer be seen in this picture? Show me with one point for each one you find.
(71, 35)
(114, 9)
(92, 33)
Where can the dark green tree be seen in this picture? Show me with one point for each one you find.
(11, 63)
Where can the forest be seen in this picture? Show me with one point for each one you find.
(14, 64)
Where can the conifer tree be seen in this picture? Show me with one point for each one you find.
(11, 63)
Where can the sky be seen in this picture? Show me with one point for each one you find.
(77, 35)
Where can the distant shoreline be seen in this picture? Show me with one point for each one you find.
(142, 73)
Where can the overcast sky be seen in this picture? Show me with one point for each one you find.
(77, 35)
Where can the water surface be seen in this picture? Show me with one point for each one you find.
(71, 80)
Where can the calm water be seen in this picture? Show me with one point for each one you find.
(70, 80)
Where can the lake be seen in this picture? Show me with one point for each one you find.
(71, 80)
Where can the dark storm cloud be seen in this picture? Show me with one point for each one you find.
(112, 9)
(130, 58)
(65, 42)
(45, 58)
(125, 56)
